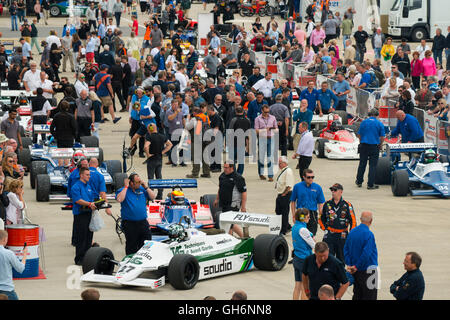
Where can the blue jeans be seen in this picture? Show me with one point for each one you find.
(10, 294)
(261, 157)
(14, 23)
(377, 53)
(345, 38)
(437, 54)
(117, 15)
(21, 15)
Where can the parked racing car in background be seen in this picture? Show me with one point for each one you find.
(425, 174)
(190, 255)
(61, 8)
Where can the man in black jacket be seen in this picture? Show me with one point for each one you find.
(240, 121)
(439, 44)
(116, 83)
(361, 37)
(447, 48)
(64, 126)
(402, 61)
(411, 286)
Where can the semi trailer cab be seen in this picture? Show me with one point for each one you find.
(418, 19)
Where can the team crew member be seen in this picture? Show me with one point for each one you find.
(325, 97)
(303, 244)
(282, 114)
(371, 136)
(232, 193)
(41, 110)
(309, 195)
(305, 148)
(284, 184)
(133, 198)
(82, 197)
(336, 219)
(156, 144)
(321, 268)
(408, 127)
(411, 285)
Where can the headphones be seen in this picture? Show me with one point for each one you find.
(131, 176)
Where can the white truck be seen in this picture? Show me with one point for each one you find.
(418, 19)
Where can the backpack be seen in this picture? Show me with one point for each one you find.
(374, 83)
(259, 46)
(380, 77)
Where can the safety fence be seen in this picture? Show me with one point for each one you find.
(434, 130)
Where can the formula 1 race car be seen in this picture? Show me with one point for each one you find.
(163, 213)
(190, 255)
(62, 8)
(18, 99)
(425, 174)
(51, 180)
(337, 142)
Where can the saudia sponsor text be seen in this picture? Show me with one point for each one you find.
(218, 268)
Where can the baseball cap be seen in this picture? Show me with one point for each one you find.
(104, 66)
(337, 186)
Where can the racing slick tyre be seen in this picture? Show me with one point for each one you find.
(22, 131)
(43, 187)
(209, 200)
(343, 115)
(118, 179)
(100, 156)
(113, 167)
(55, 11)
(316, 132)
(270, 252)
(24, 158)
(319, 148)
(99, 260)
(183, 271)
(89, 141)
(383, 174)
(443, 158)
(400, 183)
(26, 142)
(245, 12)
(37, 167)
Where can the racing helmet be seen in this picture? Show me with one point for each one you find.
(77, 156)
(177, 197)
(175, 231)
(429, 156)
(335, 126)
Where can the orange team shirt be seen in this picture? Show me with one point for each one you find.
(135, 27)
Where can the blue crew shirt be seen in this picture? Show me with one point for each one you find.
(254, 110)
(134, 206)
(301, 247)
(307, 197)
(325, 98)
(371, 130)
(312, 98)
(360, 249)
(339, 87)
(96, 181)
(81, 191)
(146, 111)
(409, 128)
(302, 117)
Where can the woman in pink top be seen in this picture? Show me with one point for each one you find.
(308, 55)
(416, 70)
(317, 38)
(429, 66)
(300, 35)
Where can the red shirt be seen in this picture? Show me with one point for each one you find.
(135, 27)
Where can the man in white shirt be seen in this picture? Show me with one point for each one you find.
(155, 51)
(181, 76)
(53, 38)
(422, 48)
(32, 78)
(284, 184)
(46, 85)
(265, 86)
(81, 84)
(305, 148)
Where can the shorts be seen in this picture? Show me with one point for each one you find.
(142, 130)
(146, 44)
(298, 267)
(106, 101)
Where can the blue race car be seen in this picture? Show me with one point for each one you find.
(425, 174)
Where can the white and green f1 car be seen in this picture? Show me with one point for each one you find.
(190, 255)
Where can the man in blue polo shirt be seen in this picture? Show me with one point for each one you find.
(309, 195)
(83, 206)
(341, 88)
(408, 127)
(371, 135)
(254, 107)
(133, 199)
(325, 96)
(311, 95)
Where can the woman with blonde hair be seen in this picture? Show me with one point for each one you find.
(303, 243)
(16, 202)
(8, 166)
(391, 94)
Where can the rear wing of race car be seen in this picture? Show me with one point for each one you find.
(41, 128)
(172, 183)
(17, 93)
(66, 153)
(409, 147)
(246, 219)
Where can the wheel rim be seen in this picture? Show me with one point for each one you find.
(104, 266)
(189, 273)
(316, 149)
(280, 254)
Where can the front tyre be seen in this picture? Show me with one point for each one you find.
(270, 252)
(99, 260)
(183, 271)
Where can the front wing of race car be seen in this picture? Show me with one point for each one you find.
(341, 150)
(139, 282)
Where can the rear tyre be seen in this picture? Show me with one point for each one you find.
(443, 158)
(209, 200)
(43, 187)
(383, 175)
(113, 167)
(22, 132)
(118, 179)
(183, 271)
(55, 11)
(99, 260)
(100, 156)
(319, 148)
(270, 252)
(343, 115)
(37, 167)
(400, 183)
(24, 158)
(89, 141)
(26, 142)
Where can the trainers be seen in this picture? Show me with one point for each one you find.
(183, 164)
(105, 119)
(262, 177)
(123, 110)
(191, 176)
(359, 185)
(372, 187)
(204, 175)
(141, 155)
(117, 119)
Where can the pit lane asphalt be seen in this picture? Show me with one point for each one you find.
(400, 225)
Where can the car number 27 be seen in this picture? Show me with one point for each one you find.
(126, 269)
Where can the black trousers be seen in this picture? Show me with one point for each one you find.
(136, 232)
(367, 153)
(84, 127)
(312, 224)
(154, 169)
(282, 206)
(303, 163)
(38, 120)
(283, 138)
(82, 236)
(336, 244)
(117, 89)
(361, 290)
(92, 23)
(135, 124)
